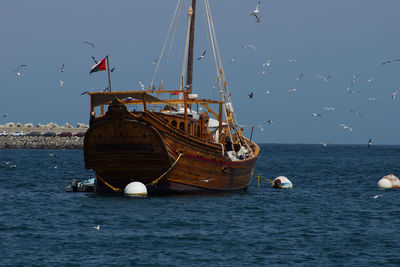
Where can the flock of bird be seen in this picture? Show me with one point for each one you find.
(256, 14)
(349, 90)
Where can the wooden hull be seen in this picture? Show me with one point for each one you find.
(124, 147)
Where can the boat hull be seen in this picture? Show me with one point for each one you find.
(124, 149)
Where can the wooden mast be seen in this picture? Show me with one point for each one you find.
(189, 78)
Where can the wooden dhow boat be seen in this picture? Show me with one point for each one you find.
(168, 143)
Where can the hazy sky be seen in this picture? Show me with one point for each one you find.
(341, 38)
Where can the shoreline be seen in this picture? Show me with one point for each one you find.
(40, 142)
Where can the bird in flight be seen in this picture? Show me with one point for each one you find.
(90, 44)
(369, 143)
(346, 127)
(251, 95)
(256, 13)
(261, 128)
(232, 59)
(62, 68)
(142, 85)
(316, 115)
(267, 63)
(18, 71)
(5, 115)
(291, 91)
(96, 227)
(249, 46)
(270, 121)
(95, 60)
(394, 94)
(202, 55)
(329, 108)
(372, 98)
(370, 79)
(299, 77)
(356, 113)
(61, 83)
(269, 91)
(292, 60)
(324, 78)
(390, 61)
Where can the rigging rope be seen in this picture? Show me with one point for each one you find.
(179, 4)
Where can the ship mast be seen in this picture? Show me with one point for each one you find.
(189, 78)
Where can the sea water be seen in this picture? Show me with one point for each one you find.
(329, 218)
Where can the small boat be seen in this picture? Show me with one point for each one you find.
(170, 140)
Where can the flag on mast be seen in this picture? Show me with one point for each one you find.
(99, 66)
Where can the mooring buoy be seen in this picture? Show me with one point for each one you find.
(282, 182)
(389, 181)
(135, 189)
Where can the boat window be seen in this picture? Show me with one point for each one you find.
(173, 123)
(182, 126)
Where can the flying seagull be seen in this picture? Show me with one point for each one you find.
(62, 68)
(299, 77)
(94, 59)
(261, 128)
(232, 59)
(270, 121)
(61, 83)
(394, 94)
(390, 61)
(316, 115)
(256, 13)
(355, 113)
(324, 78)
(90, 44)
(202, 55)
(5, 115)
(142, 85)
(292, 60)
(329, 108)
(291, 91)
(18, 70)
(251, 95)
(346, 127)
(249, 46)
(267, 63)
(269, 91)
(369, 143)
(96, 227)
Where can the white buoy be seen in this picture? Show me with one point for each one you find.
(135, 189)
(282, 182)
(389, 181)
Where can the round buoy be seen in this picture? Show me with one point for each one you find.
(389, 181)
(135, 189)
(282, 182)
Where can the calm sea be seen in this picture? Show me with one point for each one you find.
(329, 218)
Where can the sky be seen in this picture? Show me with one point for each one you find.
(341, 38)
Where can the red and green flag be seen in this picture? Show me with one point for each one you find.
(99, 66)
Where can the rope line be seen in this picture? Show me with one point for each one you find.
(262, 179)
(110, 186)
(170, 168)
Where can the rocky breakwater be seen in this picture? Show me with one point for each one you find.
(41, 142)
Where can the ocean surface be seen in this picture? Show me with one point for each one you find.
(329, 218)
